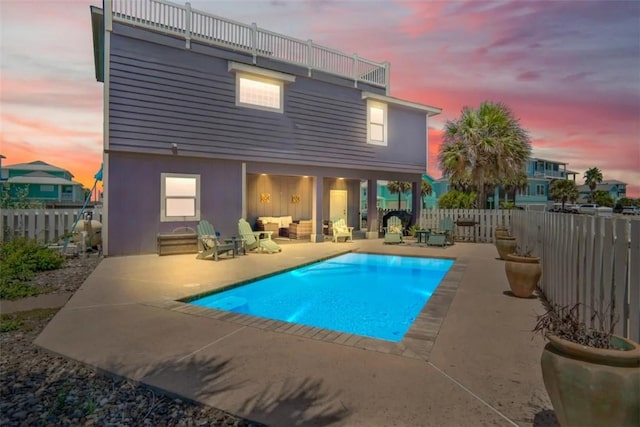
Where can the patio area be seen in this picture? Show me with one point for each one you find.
(469, 360)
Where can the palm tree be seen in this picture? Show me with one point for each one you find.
(484, 147)
(425, 190)
(515, 183)
(399, 188)
(592, 177)
(563, 190)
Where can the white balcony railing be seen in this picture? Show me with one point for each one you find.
(191, 24)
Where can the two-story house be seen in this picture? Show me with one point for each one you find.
(40, 183)
(540, 174)
(209, 118)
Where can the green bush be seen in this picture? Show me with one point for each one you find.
(20, 259)
(456, 199)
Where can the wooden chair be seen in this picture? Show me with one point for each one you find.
(340, 229)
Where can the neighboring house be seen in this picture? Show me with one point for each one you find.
(616, 189)
(43, 183)
(202, 123)
(540, 174)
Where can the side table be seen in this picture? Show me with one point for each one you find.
(238, 245)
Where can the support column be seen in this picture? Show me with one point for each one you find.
(372, 209)
(317, 210)
(416, 202)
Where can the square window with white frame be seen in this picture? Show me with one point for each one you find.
(376, 123)
(180, 197)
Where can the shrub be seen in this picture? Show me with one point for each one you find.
(20, 259)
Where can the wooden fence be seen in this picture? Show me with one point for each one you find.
(45, 225)
(486, 221)
(594, 261)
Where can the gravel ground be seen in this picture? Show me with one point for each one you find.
(40, 389)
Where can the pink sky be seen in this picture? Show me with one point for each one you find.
(570, 71)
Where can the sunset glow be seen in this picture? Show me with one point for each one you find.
(569, 70)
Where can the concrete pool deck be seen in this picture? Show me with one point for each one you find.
(474, 362)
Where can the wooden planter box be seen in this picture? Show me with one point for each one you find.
(177, 243)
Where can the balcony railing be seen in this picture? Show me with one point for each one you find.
(550, 173)
(191, 24)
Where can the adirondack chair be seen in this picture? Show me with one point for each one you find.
(340, 229)
(260, 240)
(393, 231)
(211, 246)
(443, 235)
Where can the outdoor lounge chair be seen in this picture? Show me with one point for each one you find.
(260, 240)
(211, 246)
(393, 232)
(443, 235)
(340, 229)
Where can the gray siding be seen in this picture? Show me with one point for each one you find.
(134, 198)
(161, 94)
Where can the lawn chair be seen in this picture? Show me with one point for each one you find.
(210, 244)
(393, 231)
(260, 240)
(443, 235)
(340, 229)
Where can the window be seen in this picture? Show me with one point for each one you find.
(180, 197)
(46, 188)
(540, 190)
(259, 92)
(376, 123)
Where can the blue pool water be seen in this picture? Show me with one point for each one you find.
(377, 296)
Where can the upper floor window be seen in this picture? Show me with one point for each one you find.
(540, 190)
(257, 92)
(259, 88)
(180, 197)
(376, 123)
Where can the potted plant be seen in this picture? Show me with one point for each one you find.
(591, 375)
(505, 245)
(501, 231)
(523, 272)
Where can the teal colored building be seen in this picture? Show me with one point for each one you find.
(540, 174)
(41, 183)
(616, 189)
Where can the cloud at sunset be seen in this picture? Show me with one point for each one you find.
(569, 70)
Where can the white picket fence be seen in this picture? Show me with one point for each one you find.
(590, 260)
(487, 220)
(45, 225)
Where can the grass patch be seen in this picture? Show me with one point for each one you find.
(25, 320)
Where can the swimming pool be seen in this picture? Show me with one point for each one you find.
(377, 296)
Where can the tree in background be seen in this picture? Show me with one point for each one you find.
(592, 177)
(486, 147)
(515, 183)
(625, 201)
(425, 190)
(456, 199)
(399, 188)
(602, 198)
(563, 190)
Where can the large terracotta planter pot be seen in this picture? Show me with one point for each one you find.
(501, 232)
(523, 274)
(505, 246)
(593, 387)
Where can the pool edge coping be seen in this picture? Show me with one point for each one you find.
(416, 344)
